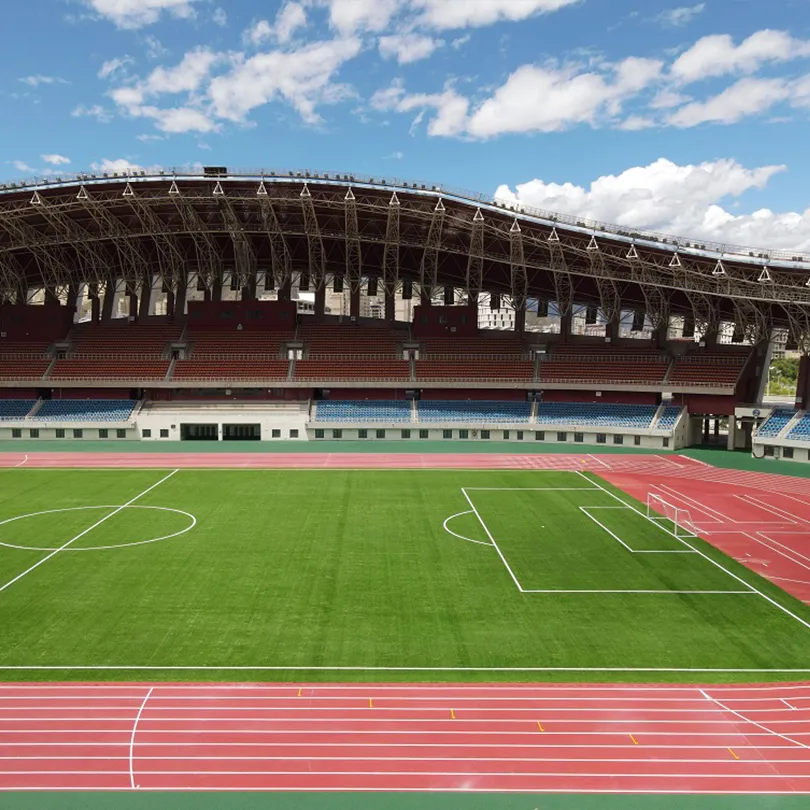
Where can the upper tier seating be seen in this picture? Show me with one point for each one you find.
(231, 370)
(355, 369)
(85, 410)
(604, 364)
(775, 423)
(350, 339)
(23, 360)
(212, 344)
(800, 432)
(363, 411)
(15, 409)
(89, 340)
(486, 343)
(469, 369)
(109, 369)
(710, 369)
(483, 411)
(582, 414)
(668, 418)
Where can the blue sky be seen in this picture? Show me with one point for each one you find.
(689, 118)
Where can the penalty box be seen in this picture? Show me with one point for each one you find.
(584, 539)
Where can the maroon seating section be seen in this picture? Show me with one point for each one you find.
(230, 370)
(604, 364)
(475, 369)
(95, 339)
(710, 369)
(23, 360)
(88, 368)
(256, 344)
(356, 369)
(350, 339)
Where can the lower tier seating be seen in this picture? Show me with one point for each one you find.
(85, 410)
(327, 370)
(595, 415)
(505, 370)
(363, 411)
(776, 423)
(87, 369)
(15, 408)
(231, 370)
(484, 411)
(800, 432)
(23, 369)
(668, 418)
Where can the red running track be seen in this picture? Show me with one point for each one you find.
(552, 738)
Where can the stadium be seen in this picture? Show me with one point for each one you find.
(320, 481)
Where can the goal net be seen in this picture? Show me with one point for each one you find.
(673, 518)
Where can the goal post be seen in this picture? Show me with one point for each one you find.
(663, 512)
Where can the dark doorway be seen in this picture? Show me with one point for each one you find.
(199, 433)
(241, 433)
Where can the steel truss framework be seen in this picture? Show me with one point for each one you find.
(136, 231)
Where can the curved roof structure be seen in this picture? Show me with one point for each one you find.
(96, 228)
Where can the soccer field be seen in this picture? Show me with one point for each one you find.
(370, 575)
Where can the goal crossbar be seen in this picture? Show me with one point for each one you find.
(680, 519)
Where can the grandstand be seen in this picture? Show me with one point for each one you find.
(392, 335)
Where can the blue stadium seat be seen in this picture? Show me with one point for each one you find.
(776, 423)
(801, 430)
(363, 411)
(668, 418)
(482, 411)
(595, 415)
(11, 409)
(85, 410)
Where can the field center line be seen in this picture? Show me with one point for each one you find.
(132, 739)
(753, 722)
(706, 557)
(86, 531)
(492, 540)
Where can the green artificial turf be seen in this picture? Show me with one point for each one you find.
(297, 569)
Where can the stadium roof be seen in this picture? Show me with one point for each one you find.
(58, 233)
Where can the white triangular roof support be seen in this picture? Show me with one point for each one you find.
(675, 261)
(394, 201)
(36, 199)
(261, 191)
(174, 191)
(478, 216)
(305, 192)
(82, 195)
(439, 206)
(765, 276)
(719, 268)
(515, 227)
(218, 190)
(553, 236)
(592, 245)
(807, 283)
(349, 195)
(128, 192)
(632, 253)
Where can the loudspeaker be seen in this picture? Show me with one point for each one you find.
(407, 290)
(337, 284)
(495, 301)
(688, 326)
(542, 308)
(372, 286)
(590, 315)
(449, 296)
(269, 280)
(638, 321)
(303, 283)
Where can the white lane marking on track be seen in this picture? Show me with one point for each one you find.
(25, 459)
(86, 531)
(132, 739)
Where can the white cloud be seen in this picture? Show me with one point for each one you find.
(667, 99)
(460, 42)
(718, 55)
(150, 138)
(303, 78)
(290, 18)
(220, 17)
(443, 14)
(121, 166)
(94, 111)
(678, 17)
(185, 77)
(154, 47)
(636, 123)
(350, 16)
(55, 160)
(745, 97)
(139, 13)
(22, 166)
(680, 200)
(395, 156)
(450, 109)
(113, 66)
(36, 81)
(407, 48)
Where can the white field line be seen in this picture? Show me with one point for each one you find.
(658, 592)
(492, 540)
(754, 722)
(25, 459)
(539, 790)
(616, 537)
(83, 533)
(461, 536)
(786, 517)
(714, 563)
(532, 489)
(132, 739)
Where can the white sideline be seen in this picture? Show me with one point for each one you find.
(709, 559)
(132, 739)
(83, 533)
(598, 522)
